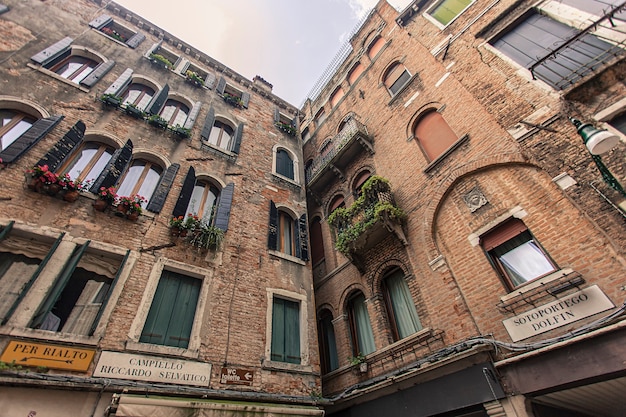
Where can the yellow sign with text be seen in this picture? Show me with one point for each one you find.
(50, 356)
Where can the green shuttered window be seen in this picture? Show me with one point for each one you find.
(285, 331)
(172, 312)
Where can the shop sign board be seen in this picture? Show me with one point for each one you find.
(564, 311)
(152, 369)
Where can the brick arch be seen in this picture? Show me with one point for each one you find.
(391, 63)
(348, 292)
(375, 278)
(331, 308)
(26, 106)
(445, 188)
(419, 113)
(357, 174)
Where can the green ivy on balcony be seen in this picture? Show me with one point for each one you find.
(374, 204)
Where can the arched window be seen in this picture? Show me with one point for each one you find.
(174, 112)
(284, 164)
(317, 241)
(375, 47)
(221, 135)
(320, 117)
(328, 346)
(287, 234)
(433, 134)
(88, 161)
(396, 77)
(142, 178)
(400, 308)
(13, 124)
(138, 95)
(360, 326)
(74, 68)
(355, 72)
(359, 181)
(335, 203)
(336, 96)
(203, 202)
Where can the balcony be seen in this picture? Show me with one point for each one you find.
(587, 53)
(348, 143)
(372, 217)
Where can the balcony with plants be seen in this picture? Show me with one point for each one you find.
(371, 218)
(345, 146)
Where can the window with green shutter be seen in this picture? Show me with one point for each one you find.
(173, 310)
(285, 331)
(446, 11)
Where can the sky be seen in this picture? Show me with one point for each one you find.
(289, 43)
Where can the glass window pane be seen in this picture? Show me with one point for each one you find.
(363, 328)
(404, 312)
(447, 10)
(149, 184)
(15, 132)
(525, 262)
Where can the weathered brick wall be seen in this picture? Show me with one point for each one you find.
(242, 270)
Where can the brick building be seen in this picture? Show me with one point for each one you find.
(104, 313)
(468, 258)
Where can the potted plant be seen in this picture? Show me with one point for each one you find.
(42, 179)
(232, 100)
(134, 111)
(160, 61)
(105, 198)
(359, 360)
(206, 236)
(176, 226)
(286, 127)
(135, 206)
(180, 131)
(111, 100)
(72, 187)
(157, 121)
(113, 33)
(194, 78)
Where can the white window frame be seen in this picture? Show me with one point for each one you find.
(193, 349)
(305, 364)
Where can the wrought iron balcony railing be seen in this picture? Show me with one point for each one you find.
(351, 132)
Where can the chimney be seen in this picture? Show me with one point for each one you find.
(261, 83)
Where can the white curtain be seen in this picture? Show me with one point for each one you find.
(407, 320)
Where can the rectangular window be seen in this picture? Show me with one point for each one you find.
(173, 310)
(76, 300)
(446, 11)
(285, 331)
(516, 254)
(532, 44)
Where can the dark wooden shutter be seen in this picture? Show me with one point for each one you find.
(294, 122)
(276, 115)
(121, 83)
(34, 134)
(134, 41)
(184, 67)
(6, 230)
(114, 169)
(100, 71)
(222, 214)
(502, 233)
(245, 99)
(193, 115)
(209, 80)
(272, 235)
(154, 107)
(208, 124)
(101, 21)
(53, 51)
(162, 190)
(303, 239)
(221, 85)
(237, 141)
(59, 285)
(180, 209)
(57, 154)
(94, 325)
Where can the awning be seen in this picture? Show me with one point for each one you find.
(142, 406)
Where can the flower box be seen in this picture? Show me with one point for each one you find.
(233, 100)
(160, 61)
(111, 100)
(134, 111)
(285, 127)
(157, 121)
(181, 132)
(194, 78)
